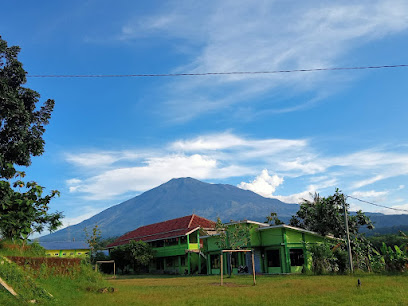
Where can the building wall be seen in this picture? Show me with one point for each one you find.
(180, 258)
(277, 250)
(67, 253)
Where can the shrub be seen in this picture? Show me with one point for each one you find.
(46, 266)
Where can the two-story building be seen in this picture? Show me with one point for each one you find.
(176, 244)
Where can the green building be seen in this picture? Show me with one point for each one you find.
(66, 248)
(190, 245)
(277, 249)
(176, 244)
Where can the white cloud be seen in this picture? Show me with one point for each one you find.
(263, 184)
(237, 35)
(91, 159)
(156, 170)
(369, 194)
(100, 159)
(226, 155)
(297, 197)
(87, 212)
(404, 210)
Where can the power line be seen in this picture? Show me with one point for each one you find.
(398, 209)
(208, 73)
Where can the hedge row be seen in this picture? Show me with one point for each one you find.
(53, 265)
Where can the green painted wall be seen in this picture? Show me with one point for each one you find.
(172, 250)
(176, 258)
(67, 253)
(271, 236)
(281, 238)
(293, 236)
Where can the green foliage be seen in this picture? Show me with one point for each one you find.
(135, 254)
(323, 259)
(328, 257)
(395, 259)
(65, 278)
(44, 267)
(93, 239)
(25, 212)
(389, 240)
(21, 248)
(24, 285)
(21, 123)
(22, 126)
(326, 216)
(273, 219)
(233, 236)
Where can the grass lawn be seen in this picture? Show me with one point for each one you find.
(277, 290)
(205, 290)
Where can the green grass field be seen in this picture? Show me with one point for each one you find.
(205, 290)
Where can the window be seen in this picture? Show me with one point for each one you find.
(71, 254)
(215, 261)
(56, 254)
(193, 237)
(79, 253)
(63, 254)
(183, 239)
(171, 261)
(273, 258)
(157, 244)
(296, 257)
(159, 264)
(172, 241)
(183, 260)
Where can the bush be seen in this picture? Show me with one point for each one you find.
(323, 260)
(21, 248)
(46, 266)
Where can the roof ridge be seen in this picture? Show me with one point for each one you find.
(161, 222)
(191, 220)
(158, 233)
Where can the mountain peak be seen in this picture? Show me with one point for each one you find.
(179, 197)
(184, 180)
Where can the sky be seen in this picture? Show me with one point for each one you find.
(281, 135)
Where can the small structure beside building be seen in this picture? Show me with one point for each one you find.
(66, 248)
(176, 244)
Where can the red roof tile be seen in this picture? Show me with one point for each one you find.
(166, 229)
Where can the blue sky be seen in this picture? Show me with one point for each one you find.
(280, 135)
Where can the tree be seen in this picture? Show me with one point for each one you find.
(22, 213)
(233, 236)
(136, 254)
(140, 254)
(21, 129)
(325, 215)
(93, 239)
(21, 123)
(273, 219)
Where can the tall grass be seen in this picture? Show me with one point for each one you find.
(65, 279)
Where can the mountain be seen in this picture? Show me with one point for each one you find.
(184, 196)
(176, 198)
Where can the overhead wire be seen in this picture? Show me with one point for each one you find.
(368, 202)
(210, 73)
